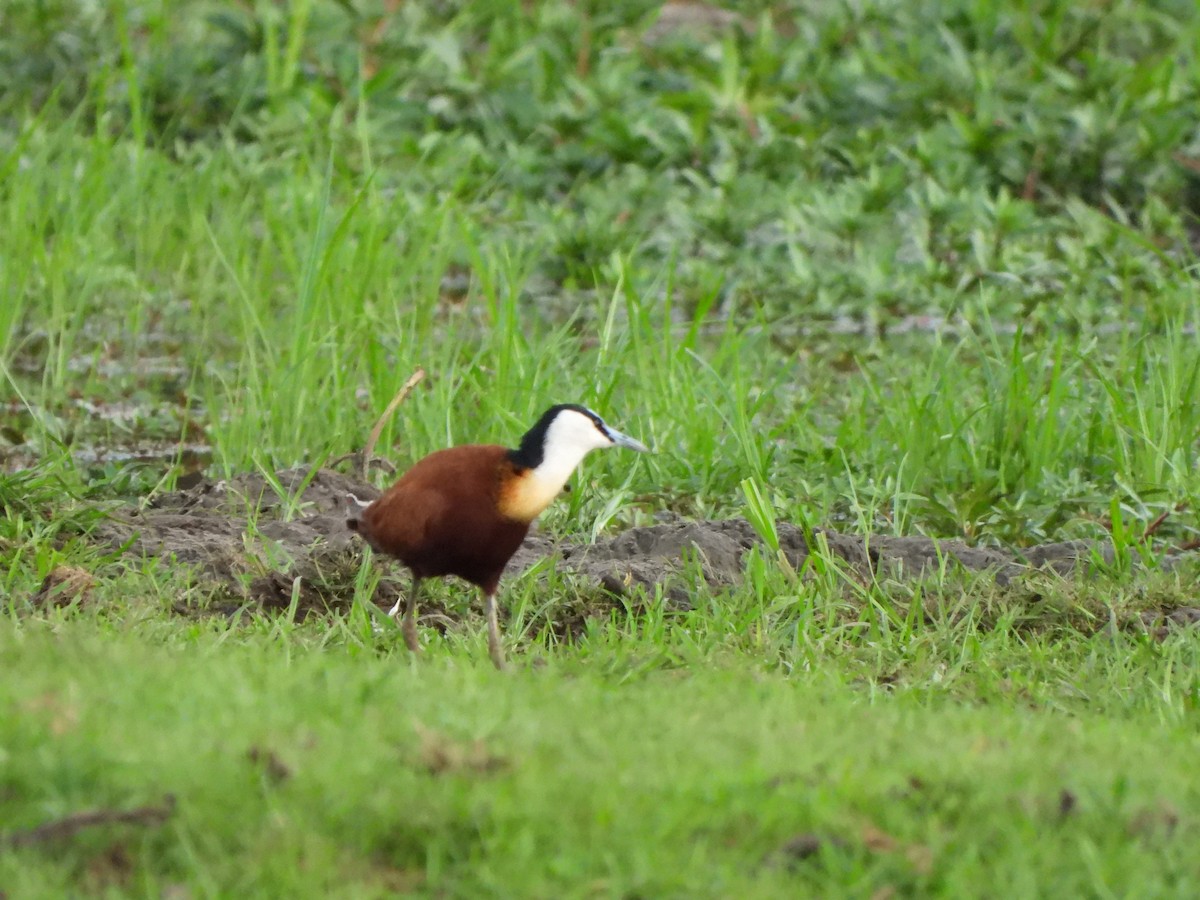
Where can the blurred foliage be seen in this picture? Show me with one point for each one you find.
(876, 157)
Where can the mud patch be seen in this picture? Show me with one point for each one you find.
(255, 539)
(282, 540)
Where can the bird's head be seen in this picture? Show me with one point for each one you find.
(565, 434)
(549, 453)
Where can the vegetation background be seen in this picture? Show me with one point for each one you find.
(887, 267)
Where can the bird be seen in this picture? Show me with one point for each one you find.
(465, 510)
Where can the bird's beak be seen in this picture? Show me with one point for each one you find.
(624, 440)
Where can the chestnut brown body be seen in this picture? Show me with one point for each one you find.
(446, 516)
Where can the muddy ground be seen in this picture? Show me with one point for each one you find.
(250, 545)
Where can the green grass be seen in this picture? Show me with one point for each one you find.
(883, 267)
(577, 779)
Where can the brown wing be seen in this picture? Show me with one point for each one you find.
(441, 517)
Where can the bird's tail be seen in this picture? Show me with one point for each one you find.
(353, 522)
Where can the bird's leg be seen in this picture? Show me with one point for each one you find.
(408, 625)
(495, 649)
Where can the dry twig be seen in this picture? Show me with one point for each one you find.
(72, 824)
(369, 450)
(1157, 523)
(366, 457)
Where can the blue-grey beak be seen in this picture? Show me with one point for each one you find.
(624, 440)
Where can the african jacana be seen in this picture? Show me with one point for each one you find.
(464, 511)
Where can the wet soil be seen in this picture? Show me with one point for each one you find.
(254, 542)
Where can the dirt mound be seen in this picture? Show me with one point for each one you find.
(263, 539)
(252, 536)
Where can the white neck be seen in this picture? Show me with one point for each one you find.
(557, 465)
